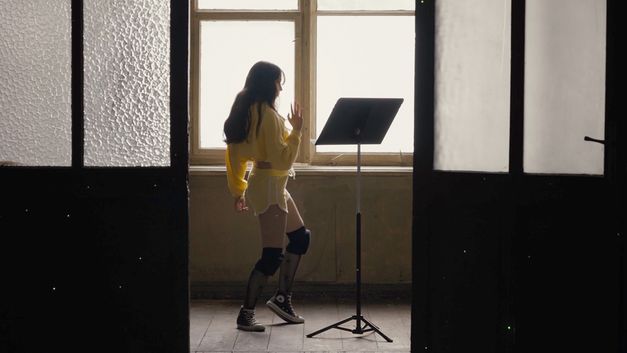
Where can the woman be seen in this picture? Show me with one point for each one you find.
(256, 132)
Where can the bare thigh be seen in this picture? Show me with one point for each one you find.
(294, 220)
(272, 224)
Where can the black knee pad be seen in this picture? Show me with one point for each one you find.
(270, 261)
(299, 241)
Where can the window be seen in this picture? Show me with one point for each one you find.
(124, 84)
(472, 85)
(564, 93)
(327, 49)
(36, 81)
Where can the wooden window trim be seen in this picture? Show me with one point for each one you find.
(305, 22)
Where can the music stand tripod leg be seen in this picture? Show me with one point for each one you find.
(376, 329)
(335, 325)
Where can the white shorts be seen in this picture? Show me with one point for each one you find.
(266, 187)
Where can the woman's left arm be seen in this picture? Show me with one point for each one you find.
(235, 172)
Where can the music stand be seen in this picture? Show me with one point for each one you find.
(358, 121)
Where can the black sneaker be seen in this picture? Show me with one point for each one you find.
(246, 321)
(281, 304)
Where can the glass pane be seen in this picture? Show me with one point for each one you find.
(366, 5)
(564, 86)
(472, 85)
(248, 4)
(127, 83)
(35, 83)
(227, 52)
(367, 57)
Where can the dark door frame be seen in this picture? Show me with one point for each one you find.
(424, 175)
(97, 258)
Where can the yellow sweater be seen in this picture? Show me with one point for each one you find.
(273, 144)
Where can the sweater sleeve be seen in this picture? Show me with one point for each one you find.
(235, 172)
(282, 151)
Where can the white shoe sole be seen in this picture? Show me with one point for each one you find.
(283, 315)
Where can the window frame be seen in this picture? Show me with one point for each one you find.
(305, 29)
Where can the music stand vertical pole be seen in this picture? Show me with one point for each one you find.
(358, 240)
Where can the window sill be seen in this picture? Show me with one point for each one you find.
(313, 170)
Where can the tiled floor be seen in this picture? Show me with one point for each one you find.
(213, 328)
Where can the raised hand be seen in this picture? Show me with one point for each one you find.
(295, 118)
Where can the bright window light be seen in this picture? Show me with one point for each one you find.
(367, 56)
(366, 5)
(248, 4)
(228, 49)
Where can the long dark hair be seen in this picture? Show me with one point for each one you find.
(259, 87)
